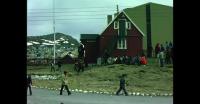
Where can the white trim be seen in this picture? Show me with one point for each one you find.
(134, 23)
(121, 44)
(129, 20)
(125, 44)
(110, 23)
(128, 25)
(117, 25)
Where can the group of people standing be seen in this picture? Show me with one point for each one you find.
(139, 59)
(135, 60)
(164, 54)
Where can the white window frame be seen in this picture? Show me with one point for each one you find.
(125, 42)
(116, 24)
(121, 45)
(128, 25)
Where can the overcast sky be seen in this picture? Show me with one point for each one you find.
(75, 17)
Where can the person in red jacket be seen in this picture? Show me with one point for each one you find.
(143, 60)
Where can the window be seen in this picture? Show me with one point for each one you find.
(116, 26)
(122, 44)
(128, 25)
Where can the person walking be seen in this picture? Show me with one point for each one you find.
(29, 83)
(64, 80)
(122, 85)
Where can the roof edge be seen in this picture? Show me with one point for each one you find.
(128, 18)
(134, 23)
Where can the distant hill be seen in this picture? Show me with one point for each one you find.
(61, 39)
(42, 46)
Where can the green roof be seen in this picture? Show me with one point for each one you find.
(161, 21)
(89, 36)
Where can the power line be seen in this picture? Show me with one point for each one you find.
(68, 19)
(72, 15)
(58, 23)
(154, 12)
(73, 8)
(72, 11)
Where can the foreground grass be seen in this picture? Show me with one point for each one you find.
(145, 79)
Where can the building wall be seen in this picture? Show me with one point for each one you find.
(134, 41)
(162, 24)
(91, 50)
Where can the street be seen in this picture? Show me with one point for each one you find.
(45, 96)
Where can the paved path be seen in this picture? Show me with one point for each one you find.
(45, 96)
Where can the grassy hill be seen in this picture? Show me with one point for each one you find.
(144, 79)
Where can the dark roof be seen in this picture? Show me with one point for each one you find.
(89, 36)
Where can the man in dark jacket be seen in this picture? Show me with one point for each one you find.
(29, 83)
(122, 85)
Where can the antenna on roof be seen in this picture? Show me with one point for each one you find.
(117, 9)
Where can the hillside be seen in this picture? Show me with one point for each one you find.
(60, 38)
(144, 79)
(43, 46)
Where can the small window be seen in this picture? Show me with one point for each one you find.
(122, 44)
(128, 25)
(116, 26)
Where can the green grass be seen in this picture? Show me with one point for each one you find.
(146, 79)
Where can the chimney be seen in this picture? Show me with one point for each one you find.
(109, 18)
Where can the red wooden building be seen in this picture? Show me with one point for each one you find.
(121, 37)
(131, 31)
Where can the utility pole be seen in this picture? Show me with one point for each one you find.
(54, 53)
